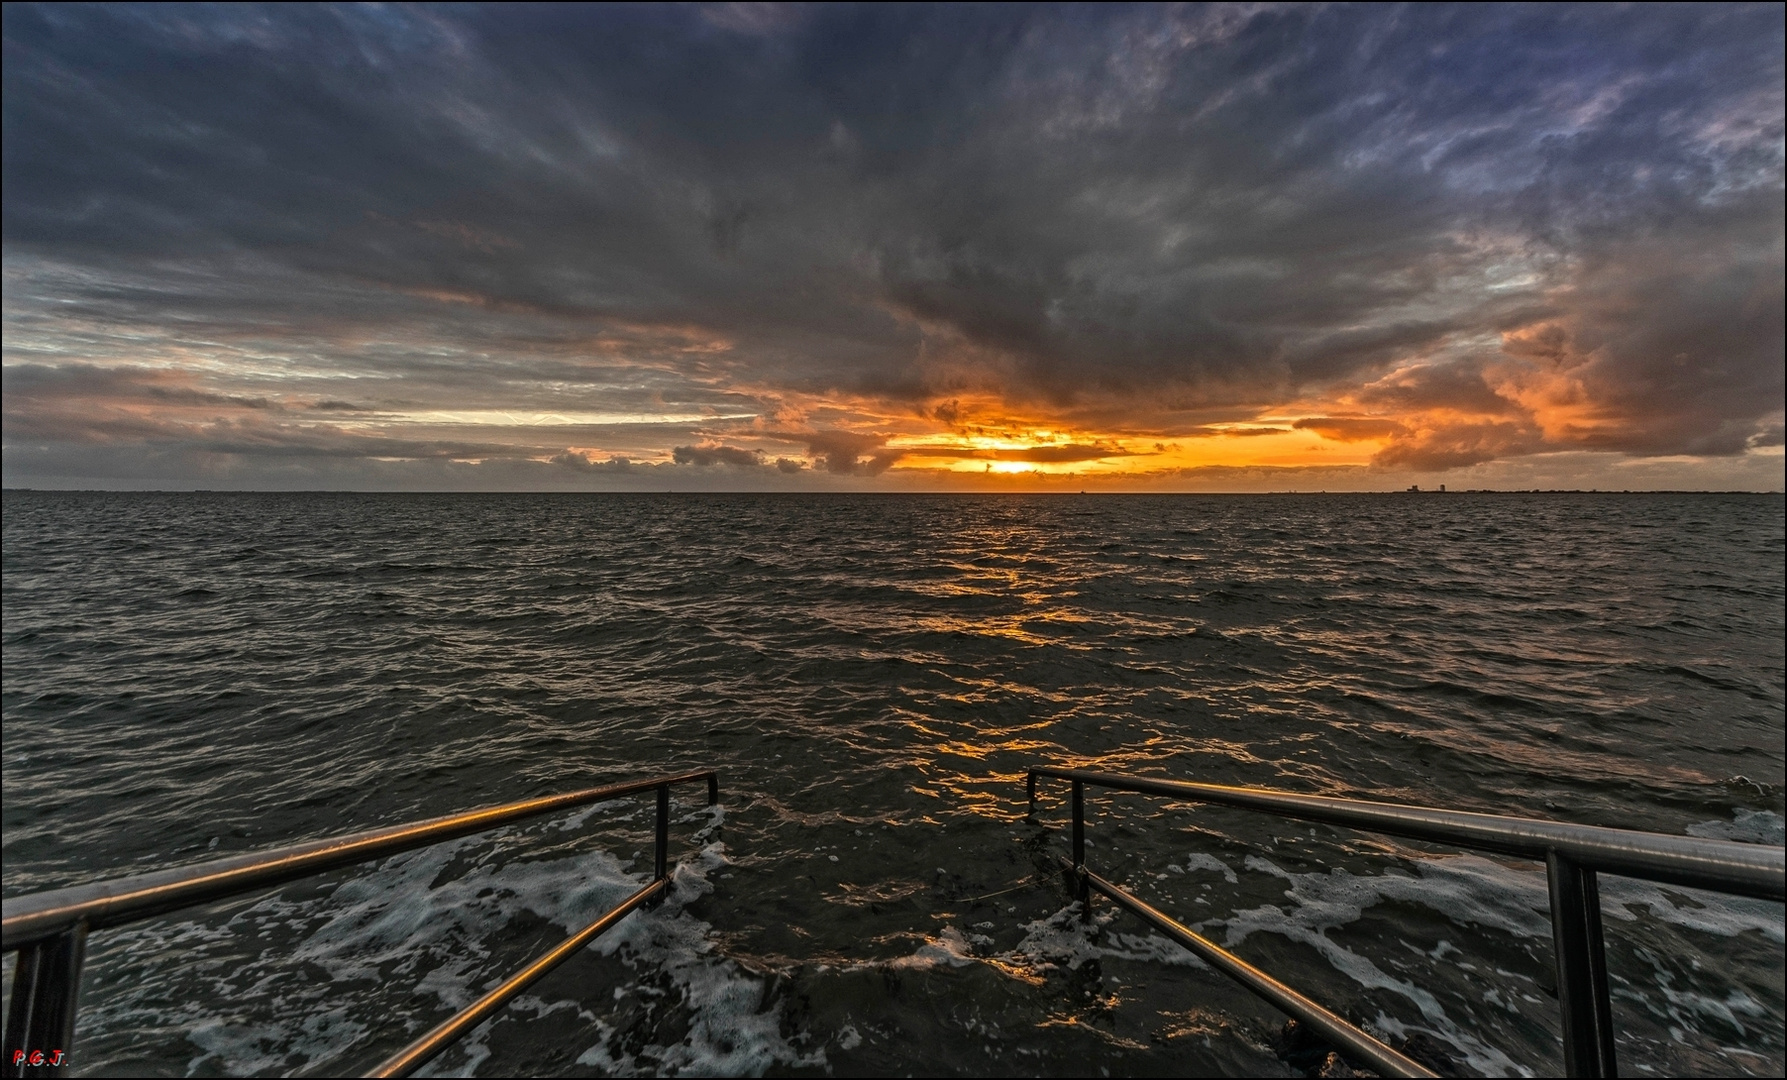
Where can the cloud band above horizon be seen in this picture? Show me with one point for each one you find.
(753, 245)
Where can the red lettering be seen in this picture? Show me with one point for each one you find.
(38, 1057)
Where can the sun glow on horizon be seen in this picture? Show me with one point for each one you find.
(1013, 448)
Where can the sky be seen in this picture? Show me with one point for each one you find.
(783, 247)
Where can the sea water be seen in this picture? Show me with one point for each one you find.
(194, 675)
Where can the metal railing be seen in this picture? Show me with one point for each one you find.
(49, 929)
(1573, 855)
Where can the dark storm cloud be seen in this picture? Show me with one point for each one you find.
(1456, 385)
(843, 451)
(1350, 428)
(717, 455)
(1455, 445)
(1561, 226)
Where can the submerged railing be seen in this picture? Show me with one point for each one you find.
(1573, 855)
(49, 929)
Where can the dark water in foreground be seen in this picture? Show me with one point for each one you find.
(188, 676)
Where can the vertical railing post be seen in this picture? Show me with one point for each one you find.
(1581, 956)
(1081, 889)
(1030, 790)
(661, 867)
(46, 987)
(713, 789)
(1597, 970)
(18, 1013)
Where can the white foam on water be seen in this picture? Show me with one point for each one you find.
(158, 997)
(394, 925)
(950, 948)
(1467, 888)
(476, 1044)
(1200, 861)
(1750, 826)
(259, 1051)
(733, 1029)
(1683, 1002)
(1060, 941)
(1063, 941)
(1707, 912)
(1473, 890)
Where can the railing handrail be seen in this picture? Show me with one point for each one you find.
(1573, 856)
(1357, 1044)
(37, 917)
(1755, 870)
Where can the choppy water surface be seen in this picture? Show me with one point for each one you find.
(189, 675)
